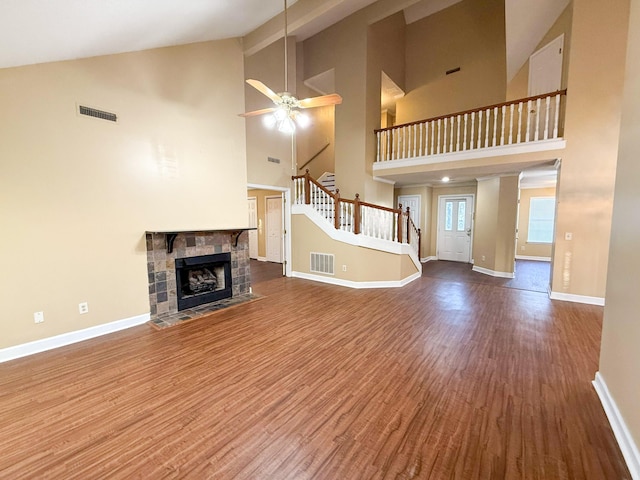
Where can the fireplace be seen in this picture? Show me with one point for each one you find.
(169, 251)
(203, 279)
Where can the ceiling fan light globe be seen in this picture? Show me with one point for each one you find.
(269, 121)
(280, 114)
(303, 120)
(287, 126)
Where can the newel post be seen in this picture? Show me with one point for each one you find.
(419, 242)
(400, 222)
(336, 207)
(307, 188)
(356, 215)
(408, 225)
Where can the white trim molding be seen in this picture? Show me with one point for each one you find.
(493, 273)
(536, 259)
(428, 259)
(620, 430)
(570, 297)
(352, 284)
(37, 346)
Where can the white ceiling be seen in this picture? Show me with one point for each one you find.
(37, 31)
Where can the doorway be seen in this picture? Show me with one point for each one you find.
(413, 202)
(455, 230)
(253, 223)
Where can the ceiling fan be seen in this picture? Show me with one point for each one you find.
(286, 112)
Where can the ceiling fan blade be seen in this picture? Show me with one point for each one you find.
(333, 99)
(262, 88)
(257, 112)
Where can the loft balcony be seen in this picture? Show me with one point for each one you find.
(526, 125)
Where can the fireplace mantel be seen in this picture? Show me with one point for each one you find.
(170, 235)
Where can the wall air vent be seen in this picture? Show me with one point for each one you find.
(322, 263)
(95, 113)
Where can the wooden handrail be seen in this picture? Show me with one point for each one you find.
(315, 156)
(474, 110)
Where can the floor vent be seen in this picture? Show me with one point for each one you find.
(322, 263)
(101, 114)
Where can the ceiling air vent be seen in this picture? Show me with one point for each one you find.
(95, 113)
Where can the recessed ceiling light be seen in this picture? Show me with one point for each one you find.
(445, 179)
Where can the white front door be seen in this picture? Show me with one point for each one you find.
(253, 223)
(273, 222)
(413, 202)
(454, 228)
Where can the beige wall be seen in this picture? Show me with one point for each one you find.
(523, 247)
(495, 223)
(77, 194)
(586, 181)
(518, 87)
(436, 192)
(261, 206)
(620, 355)
(426, 215)
(469, 35)
(363, 264)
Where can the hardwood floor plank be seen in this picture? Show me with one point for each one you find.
(441, 379)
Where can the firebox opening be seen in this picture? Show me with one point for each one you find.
(203, 279)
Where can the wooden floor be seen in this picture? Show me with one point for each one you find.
(437, 380)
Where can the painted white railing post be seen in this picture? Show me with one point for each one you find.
(546, 118)
(556, 117)
(486, 140)
(451, 136)
(480, 129)
(504, 117)
(495, 126)
(439, 125)
(526, 138)
(433, 127)
(473, 127)
(464, 141)
(511, 125)
(537, 117)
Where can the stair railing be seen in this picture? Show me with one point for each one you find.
(356, 216)
(523, 121)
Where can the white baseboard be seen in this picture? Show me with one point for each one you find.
(623, 436)
(493, 273)
(352, 284)
(37, 346)
(537, 259)
(570, 297)
(428, 259)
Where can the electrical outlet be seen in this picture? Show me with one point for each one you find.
(483, 258)
(38, 317)
(83, 307)
(568, 236)
(344, 268)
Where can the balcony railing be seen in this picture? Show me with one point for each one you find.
(525, 121)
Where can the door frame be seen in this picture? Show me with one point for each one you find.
(441, 200)
(553, 43)
(286, 222)
(419, 216)
(255, 200)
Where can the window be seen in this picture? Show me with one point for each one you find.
(541, 219)
(448, 216)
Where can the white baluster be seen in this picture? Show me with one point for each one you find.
(511, 124)
(555, 121)
(415, 140)
(439, 125)
(388, 137)
(473, 128)
(486, 139)
(546, 119)
(504, 113)
(378, 139)
(519, 122)
(479, 129)
(458, 136)
(526, 138)
(495, 125)
(537, 117)
(464, 140)
(433, 128)
(444, 136)
(421, 129)
(451, 136)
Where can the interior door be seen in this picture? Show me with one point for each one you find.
(545, 76)
(253, 223)
(273, 225)
(454, 228)
(413, 202)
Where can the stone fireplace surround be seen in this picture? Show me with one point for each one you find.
(161, 267)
